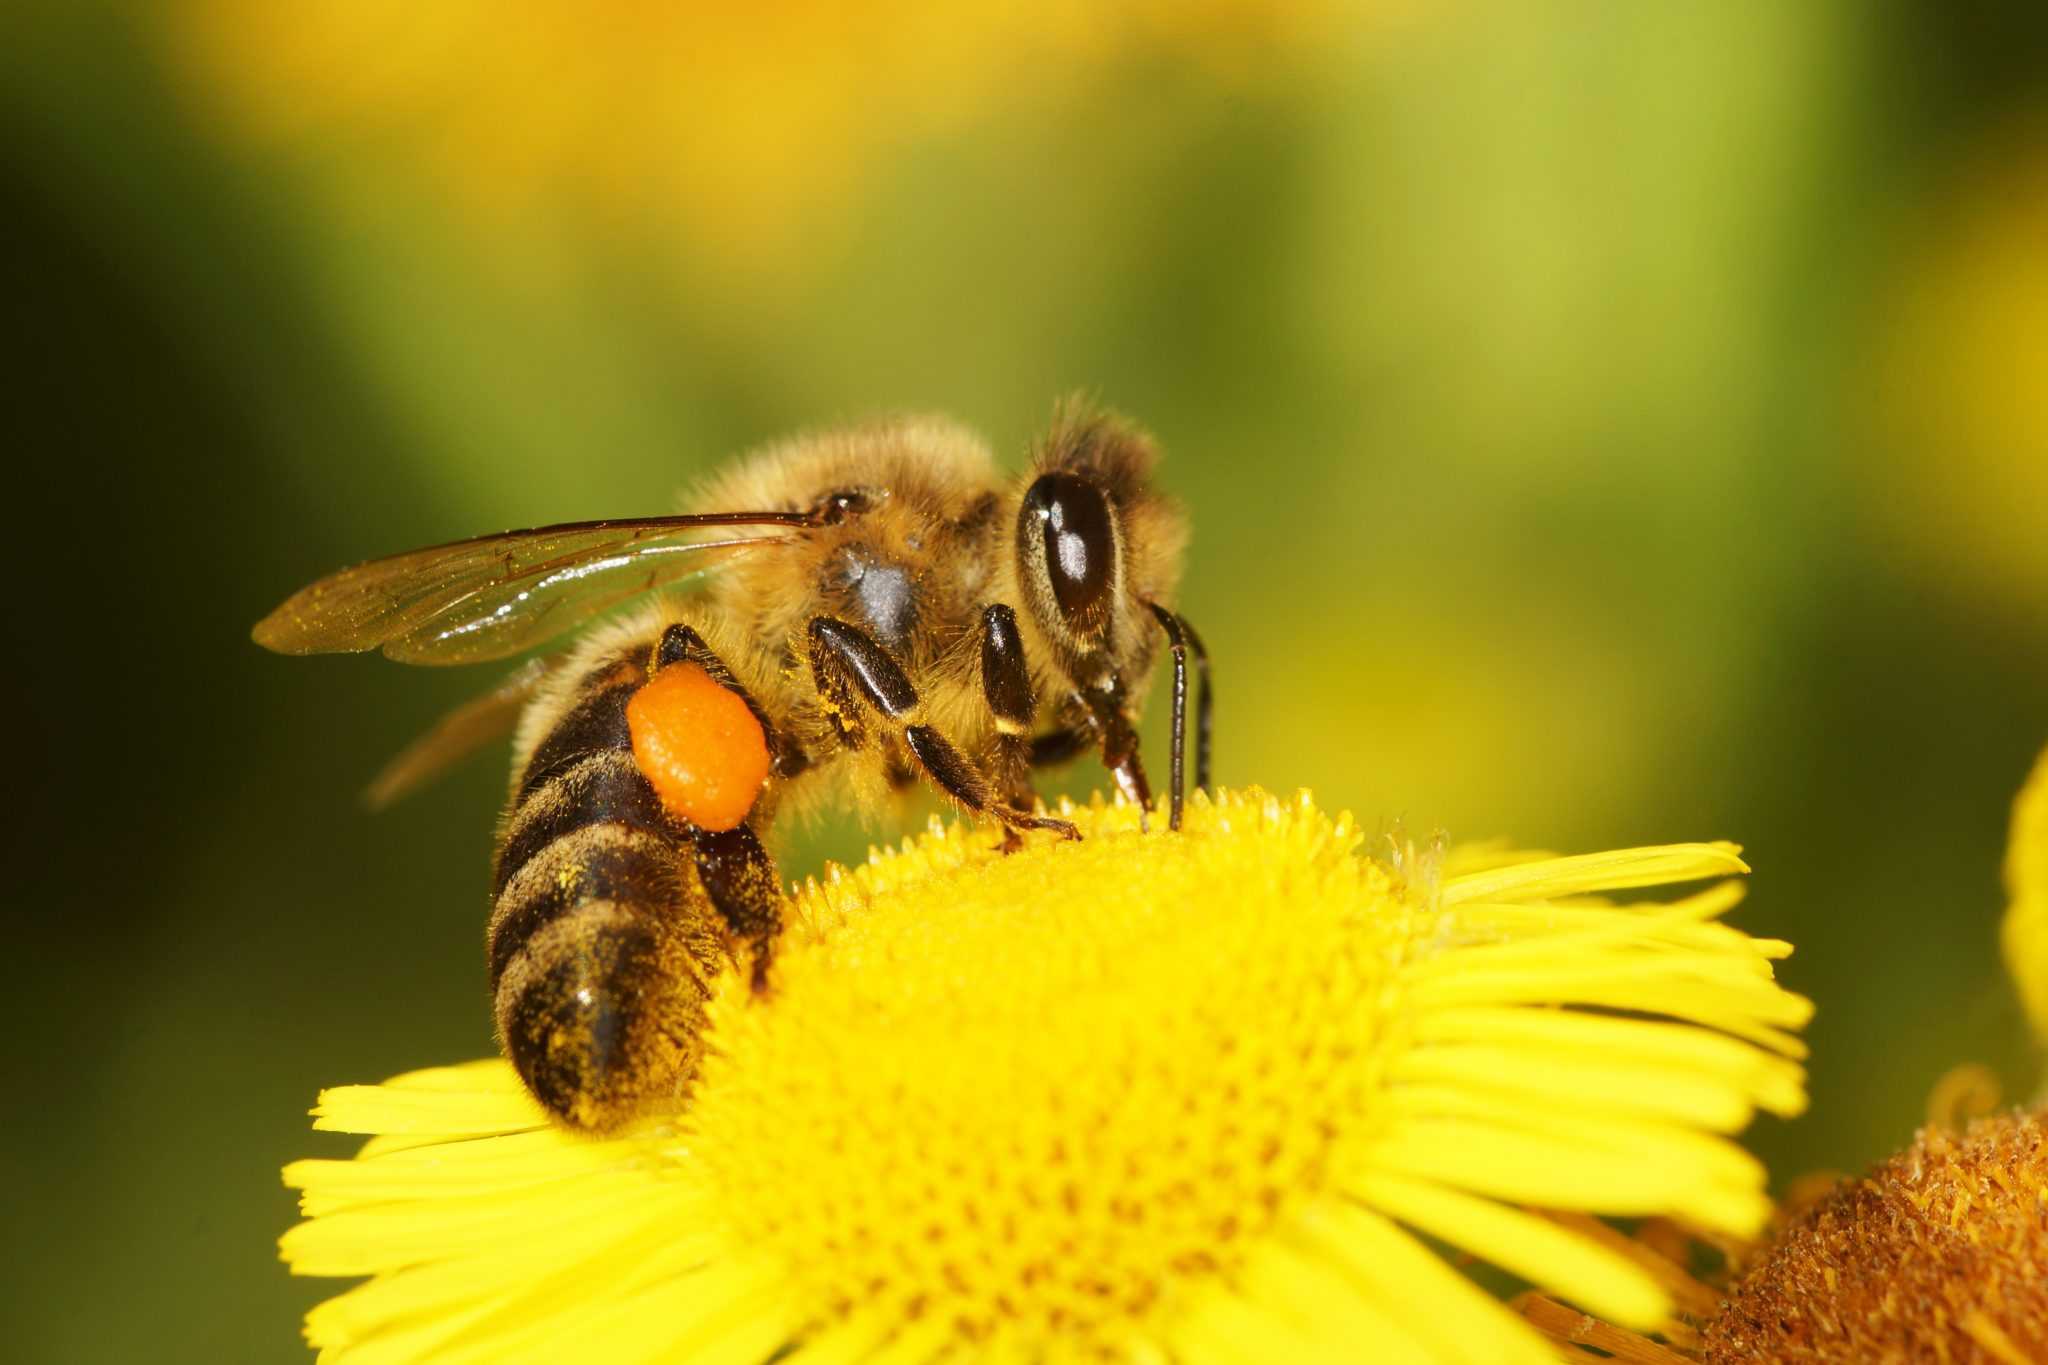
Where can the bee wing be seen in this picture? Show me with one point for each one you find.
(496, 595)
(458, 734)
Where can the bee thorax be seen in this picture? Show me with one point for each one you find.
(883, 596)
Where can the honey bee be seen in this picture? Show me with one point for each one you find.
(866, 610)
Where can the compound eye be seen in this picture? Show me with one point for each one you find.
(834, 508)
(1071, 518)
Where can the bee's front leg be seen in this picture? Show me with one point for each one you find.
(1181, 638)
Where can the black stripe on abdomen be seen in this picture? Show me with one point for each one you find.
(605, 788)
(600, 862)
(596, 724)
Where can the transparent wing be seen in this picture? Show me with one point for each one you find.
(496, 595)
(457, 735)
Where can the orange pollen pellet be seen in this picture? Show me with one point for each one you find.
(699, 745)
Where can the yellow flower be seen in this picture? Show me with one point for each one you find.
(1953, 468)
(1145, 1096)
(2026, 881)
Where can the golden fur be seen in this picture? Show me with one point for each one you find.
(948, 516)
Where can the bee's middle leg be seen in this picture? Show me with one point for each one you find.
(861, 684)
(1012, 705)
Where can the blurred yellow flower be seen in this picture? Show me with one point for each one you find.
(1144, 1097)
(739, 128)
(1961, 413)
(2026, 881)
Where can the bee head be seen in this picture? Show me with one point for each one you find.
(1095, 544)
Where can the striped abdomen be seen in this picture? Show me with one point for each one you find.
(612, 916)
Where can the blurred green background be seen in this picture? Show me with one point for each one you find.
(1602, 423)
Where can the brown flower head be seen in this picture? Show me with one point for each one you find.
(1940, 1253)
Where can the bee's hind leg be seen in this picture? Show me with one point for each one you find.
(861, 684)
(735, 870)
(740, 879)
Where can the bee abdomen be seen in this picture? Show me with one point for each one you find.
(596, 724)
(611, 863)
(602, 943)
(603, 788)
(600, 1012)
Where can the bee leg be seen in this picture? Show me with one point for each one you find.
(1109, 721)
(1058, 746)
(1006, 687)
(736, 872)
(681, 644)
(740, 878)
(1203, 714)
(1181, 638)
(859, 683)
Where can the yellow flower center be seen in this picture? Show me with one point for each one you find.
(1021, 1095)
